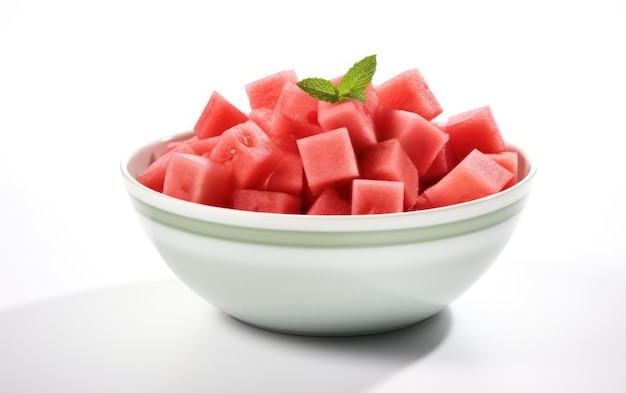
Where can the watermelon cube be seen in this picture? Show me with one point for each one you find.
(371, 100)
(264, 93)
(294, 117)
(263, 117)
(250, 151)
(476, 176)
(288, 175)
(421, 139)
(328, 159)
(422, 203)
(509, 160)
(266, 201)
(409, 91)
(330, 202)
(442, 164)
(474, 129)
(387, 160)
(173, 145)
(197, 179)
(154, 175)
(202, 146)
(343, 189)
(377, 196)
(352, 115)
(218, 115)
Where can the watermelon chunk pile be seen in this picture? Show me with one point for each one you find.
(291, 153)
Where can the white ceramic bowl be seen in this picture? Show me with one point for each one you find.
(326, 275)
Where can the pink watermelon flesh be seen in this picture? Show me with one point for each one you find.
(388, 161)
(352, 115)
(296, 105)
(288, 175)
(250, 151)
(284, 132)
(264, 93)
(442, 164)
(197, 179)
(371, 102)
(263, 117)
(343, 189)
(172, 145)
(202, 147)
(409, 91)
(330, 202)
(422, 140)
(266, 201)
(218, 115)
(154, 175)
(476, 176)
(294, 117)
(474, 129)
(328, 158)
(422, 203)
(509, 160)
(377, 196)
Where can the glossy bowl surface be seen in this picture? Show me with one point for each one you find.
(326, 275)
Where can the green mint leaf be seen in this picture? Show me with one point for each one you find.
(358, 77)
(351, 86)
(354, 95)
(321, 89)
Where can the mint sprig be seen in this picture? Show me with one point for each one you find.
(351, 86)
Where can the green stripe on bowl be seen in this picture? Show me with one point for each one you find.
(329, 239)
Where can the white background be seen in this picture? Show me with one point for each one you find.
(82, 83)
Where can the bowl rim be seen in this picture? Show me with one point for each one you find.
(145, 197)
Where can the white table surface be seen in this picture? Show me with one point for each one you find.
(86, 304)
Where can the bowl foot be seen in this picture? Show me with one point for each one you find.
(335, 332)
